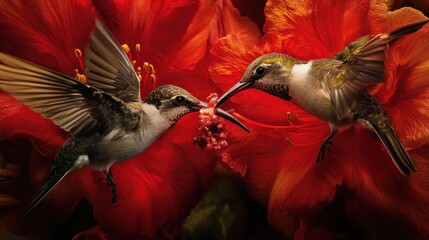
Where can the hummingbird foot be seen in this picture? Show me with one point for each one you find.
(111, 183)
(323, 148)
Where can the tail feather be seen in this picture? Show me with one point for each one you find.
(397, 152)
(55, 176)
(395, 35)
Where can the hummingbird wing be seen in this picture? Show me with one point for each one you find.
(108, 66)
(363, 67)
(369, 112)
(352, 47)
(72, 105)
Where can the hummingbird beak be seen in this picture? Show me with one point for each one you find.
(240, 86)
(222, 113)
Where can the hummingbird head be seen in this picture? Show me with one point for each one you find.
(170, 103)
(268, 73)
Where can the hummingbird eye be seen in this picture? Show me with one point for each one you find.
(179, 99)
(260, 70)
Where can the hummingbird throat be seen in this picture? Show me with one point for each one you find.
(145, 71)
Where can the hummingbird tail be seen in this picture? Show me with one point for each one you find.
(398, 153)
(72, 156)
(398, 33)
(52, 180)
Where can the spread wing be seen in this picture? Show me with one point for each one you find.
(73, 106)
(362, 67)
(108, 66)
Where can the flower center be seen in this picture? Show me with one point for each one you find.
(145, 71)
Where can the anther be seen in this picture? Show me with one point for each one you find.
(126, 48)
(127, 51)
(152, 70)
(290, 116)
(139, 73)
(145, 66)
(78, 54)
(137, 52)
(79, 77)
(153, 78)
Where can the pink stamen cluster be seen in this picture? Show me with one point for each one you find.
(212, 133)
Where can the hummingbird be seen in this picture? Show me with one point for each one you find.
(107, 119)
(333, 89)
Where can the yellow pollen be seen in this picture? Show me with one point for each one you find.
(144, 70)
(126, 48)
(290, 116)
(77, 52)
(80, 77)
(139, 73)
(153, 78)
(145, 65)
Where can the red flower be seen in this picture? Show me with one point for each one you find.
(35, 30)
(160, 187)
(168, 44)
(279, 158)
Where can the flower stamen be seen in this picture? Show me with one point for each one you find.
(80, 77)
(290, 116)
(139, 73)
(145, 71)
(76, 75)
(241, 117)
(79, 56)
(137, 52)
(127, 51)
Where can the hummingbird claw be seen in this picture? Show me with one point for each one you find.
(111, 183)
(325, 147)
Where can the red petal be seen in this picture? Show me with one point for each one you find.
(369, 172)
(214, 20)
(318, 29)
(254, 11)
(156, 189)
(93, 233)
(35, 31)
(28, 144)
(406, 88)
(158, 26)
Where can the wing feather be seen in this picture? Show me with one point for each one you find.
(362, 65)
(109, 68)
(57, 96)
